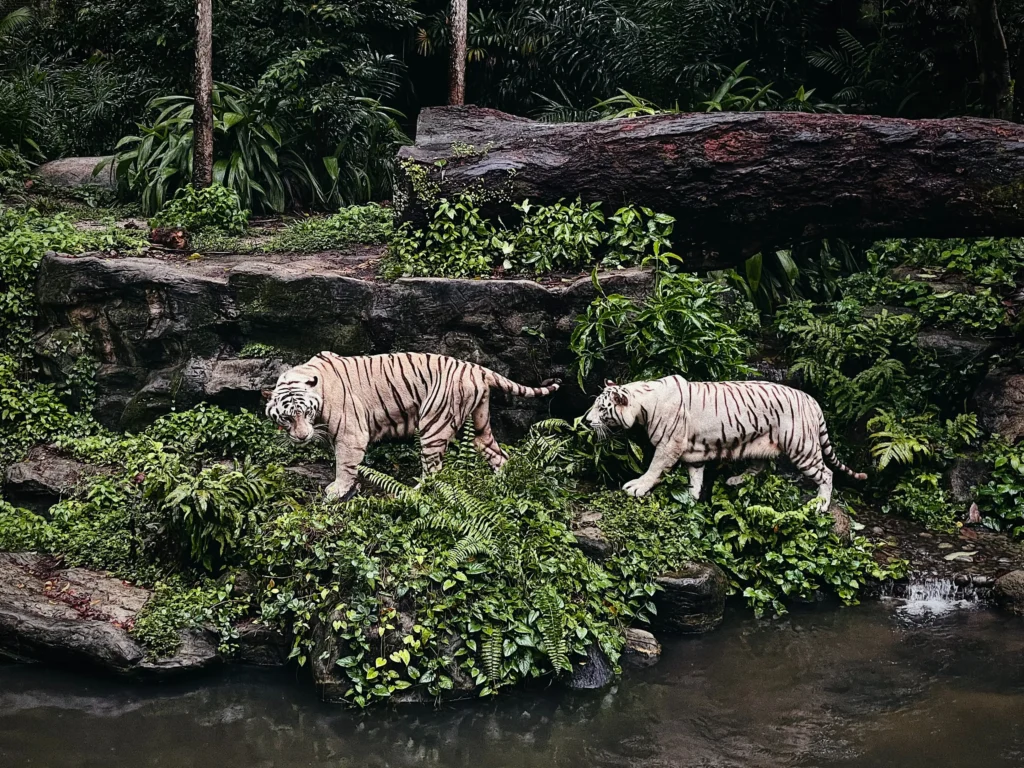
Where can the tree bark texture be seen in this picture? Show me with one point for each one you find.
(457, 61)
(202, 114)
(994, 59)
(734, 181)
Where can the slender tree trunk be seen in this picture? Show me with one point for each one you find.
(1018, 95)
(997, 87)
(457, 62)
(202, 114)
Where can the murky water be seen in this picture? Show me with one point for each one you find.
(879, 685)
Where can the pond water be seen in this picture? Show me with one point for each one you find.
(883, 684)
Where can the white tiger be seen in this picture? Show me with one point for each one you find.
(355, 401)
(697, 422)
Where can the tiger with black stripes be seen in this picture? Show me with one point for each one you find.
(355, 401)
(697, 421)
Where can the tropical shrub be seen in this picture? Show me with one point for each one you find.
(556, 236)
(369, 224)
(684, 327)
(262, 150)
(458, 242)
(214, 207)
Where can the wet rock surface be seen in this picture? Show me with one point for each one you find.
(973, 557)
(592, 674)
(44, 478)
(964, 477)
(78, 616)
(168, 331)
(642, 648)
(1008, 592)
(999, 402)
(691, 600)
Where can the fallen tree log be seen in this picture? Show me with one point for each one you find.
(736, 182)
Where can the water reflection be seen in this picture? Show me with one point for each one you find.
(853, 687)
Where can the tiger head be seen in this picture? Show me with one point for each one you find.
(295, 403)
(612, 410)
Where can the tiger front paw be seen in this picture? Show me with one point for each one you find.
(638, 487)
(339, 491)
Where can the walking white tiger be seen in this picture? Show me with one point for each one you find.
(697, 422)
(355, 401)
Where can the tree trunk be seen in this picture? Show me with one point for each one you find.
(202, 114)
(734, 181)
(994, 59)
(457, 61)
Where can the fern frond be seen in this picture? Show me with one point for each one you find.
(492, 655)
(388, 484)
(551, 623)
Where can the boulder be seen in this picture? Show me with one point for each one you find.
(964, 477)
(79, 616)
(999, 403)
(691, 599)
(230, 381)
(44, 478)
(71, 172)
(591, 674)
(642, 648)
(955, 350)
(167, 332)
(261, 645)
(593, 542)
(1008, 592)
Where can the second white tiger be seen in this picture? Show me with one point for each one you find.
(696, 422)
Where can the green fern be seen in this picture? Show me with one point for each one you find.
(550, 623)
(492, 654)
(388, 484)
(892, 440)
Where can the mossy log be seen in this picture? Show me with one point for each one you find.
(736, 182)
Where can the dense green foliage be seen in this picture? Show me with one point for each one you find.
(460, 242)
(215, 207)
(682, 327)
(320, 93)
(368, 224)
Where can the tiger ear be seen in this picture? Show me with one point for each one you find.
(313, 382)
(620, 398)
(608, 383)
(267, 393)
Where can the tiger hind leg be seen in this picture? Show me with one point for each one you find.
(433, 444)
(814, 468)
(484, 440)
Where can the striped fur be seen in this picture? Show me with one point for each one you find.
(355, 401)
(696, 422)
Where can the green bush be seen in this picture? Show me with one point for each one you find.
(267, 148)
(560, 236)
(212, 509)
(458, 242)
(1001, 498)
(21, 530)
(369, 224)
(214, 207)
(684, 327)
(24, 237)
(982, 261)
(485, 557)
(176, 607)
(773, 545)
